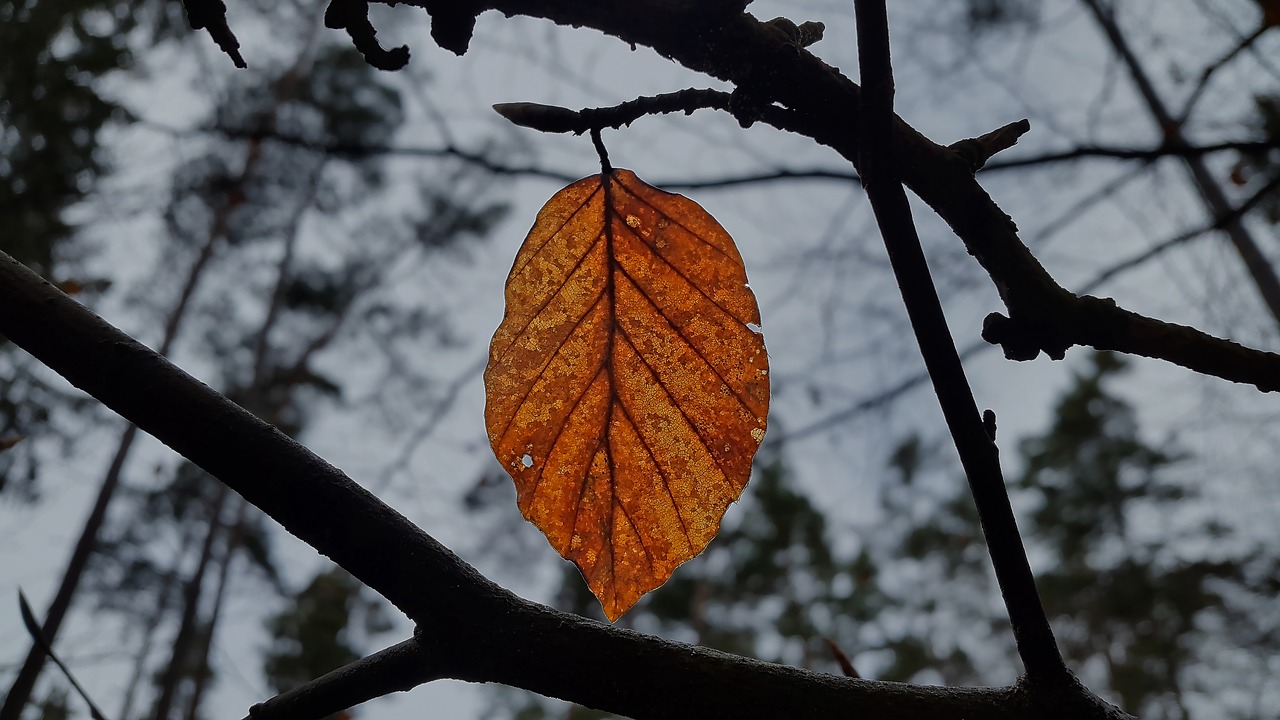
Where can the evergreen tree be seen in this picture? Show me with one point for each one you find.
(1121, 598)
(1129, 599)
(323, 627)
(52, 112)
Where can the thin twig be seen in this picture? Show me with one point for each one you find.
(556, 119)
(1205, 75)
(33, 629)
(359, 151)
(978, 454)
(1161, 247)
(394, 669)
(211, 15)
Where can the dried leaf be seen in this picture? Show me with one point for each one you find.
(627, 386)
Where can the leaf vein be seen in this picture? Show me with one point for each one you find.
(547, 303)
(696, 430)
(552, 235)
(676, 222)
(666, 482)
(551, 356)
(680, 331)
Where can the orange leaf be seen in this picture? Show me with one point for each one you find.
(627, 385)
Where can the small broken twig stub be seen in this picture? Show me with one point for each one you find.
(211, 15)
(977, 151)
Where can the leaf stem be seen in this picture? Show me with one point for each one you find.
(605, 167)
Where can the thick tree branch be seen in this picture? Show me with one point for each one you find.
(469, 627)
(1045, 316)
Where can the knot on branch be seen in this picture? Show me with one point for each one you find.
(353, 16)
(211, 15)
(747, 103)
(1023, 339)
(452, 24)
(802, 35)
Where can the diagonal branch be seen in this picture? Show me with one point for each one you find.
(1042, 315)
(468, 627)
(1059, 695)
(976, 447)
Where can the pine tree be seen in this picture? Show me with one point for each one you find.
(323, 627)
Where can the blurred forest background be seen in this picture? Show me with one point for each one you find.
(325, 243)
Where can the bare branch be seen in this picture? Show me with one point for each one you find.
(978, 454)
(399, 668)
(1215, 200)
(570, 121)
(977, 151)
(211, 15)
(1159, 248)
(37, 636)
(353, 16)
(555, 119)
(469, 627)
(1202, 83)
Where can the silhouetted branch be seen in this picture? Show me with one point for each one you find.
(977, 151)
(867, 404)
(555, 119)
(1100, 323)
(361, 151)
(879, 167)
(1178, 150)
(1264, 276)
(399, 668)
(1205, 75)
(468, 627)
(33, 629)
(211, 15)
(353, 16)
